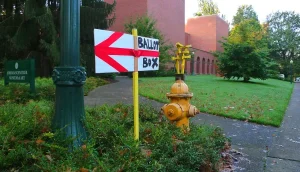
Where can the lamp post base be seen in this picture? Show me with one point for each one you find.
(69, 103)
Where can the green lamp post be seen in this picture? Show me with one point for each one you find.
(69, 77)
(291, 68)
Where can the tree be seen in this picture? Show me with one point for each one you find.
(31, 28)
(146, 27)
(94, 14)
(10, 19)
(208, 7)
(245, 52)
(242, 61)
(244, 12)
(250, 31)
(284, 38)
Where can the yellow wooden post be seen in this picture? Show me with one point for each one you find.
(135, 79)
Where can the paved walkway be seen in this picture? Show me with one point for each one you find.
(284, 155)
(255, 148)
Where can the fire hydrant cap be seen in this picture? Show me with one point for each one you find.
(173, 111)
(179, 87)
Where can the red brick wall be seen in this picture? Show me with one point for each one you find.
(126, 9)
(187, 38)
(170, 16)
(222, 30)
(203, 32)
(201, 65)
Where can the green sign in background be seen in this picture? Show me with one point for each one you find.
(20, 71)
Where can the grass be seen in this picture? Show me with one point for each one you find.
(262, 102)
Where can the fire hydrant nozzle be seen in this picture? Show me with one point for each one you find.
(179, 110)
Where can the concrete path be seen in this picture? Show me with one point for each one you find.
(255, 148)
(118, 92)
(284, 155)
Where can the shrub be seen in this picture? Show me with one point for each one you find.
(28, 145)
(45, 89)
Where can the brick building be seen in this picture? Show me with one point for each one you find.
(203, 33)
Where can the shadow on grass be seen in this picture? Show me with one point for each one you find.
(242, 82)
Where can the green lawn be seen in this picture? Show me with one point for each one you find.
(260, 101)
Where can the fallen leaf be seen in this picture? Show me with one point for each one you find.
(13, 139)
(146, 152)
(84, 170)
(49, 158)
(45, 130)
(39, 141)
(85, 155)
(83, 147)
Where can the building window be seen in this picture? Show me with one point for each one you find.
(212, 67)
(203, 65)
(198, 65)
(208, 67)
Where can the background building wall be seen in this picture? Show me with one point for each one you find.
(170, 17)
(222, 30)
(203, 32)
(125, 9)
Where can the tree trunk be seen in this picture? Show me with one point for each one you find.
(246, 79)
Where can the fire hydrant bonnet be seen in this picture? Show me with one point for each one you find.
(179, 89)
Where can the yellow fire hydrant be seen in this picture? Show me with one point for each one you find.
(179, 110)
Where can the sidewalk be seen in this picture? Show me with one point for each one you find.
(119, 92)
(284, 155)
(250, 142)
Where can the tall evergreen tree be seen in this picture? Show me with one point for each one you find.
(94, 15)
(30, 28)
(30, 33)
(10, 19)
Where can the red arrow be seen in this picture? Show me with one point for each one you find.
(103, 51)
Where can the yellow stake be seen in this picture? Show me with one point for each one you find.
(135, 78)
